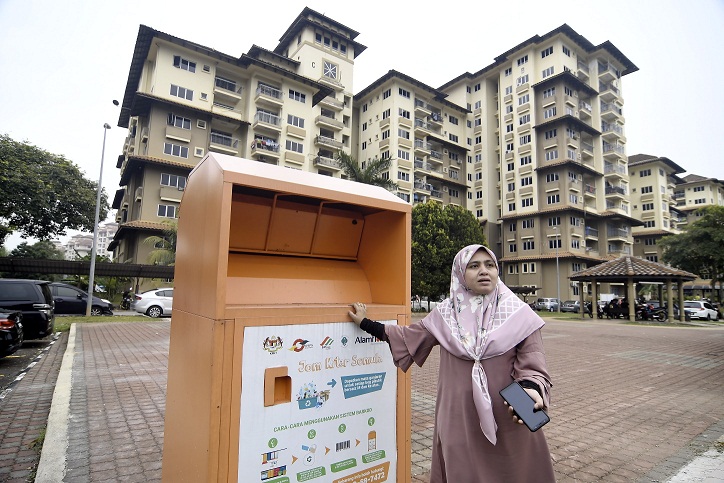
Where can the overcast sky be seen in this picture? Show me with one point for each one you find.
(63, 62)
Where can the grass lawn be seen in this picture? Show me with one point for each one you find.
(63, 323)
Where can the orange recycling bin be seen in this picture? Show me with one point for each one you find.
(268, 380)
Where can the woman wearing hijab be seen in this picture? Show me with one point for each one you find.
(488, 338)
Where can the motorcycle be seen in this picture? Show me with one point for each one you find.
(648, 312)
(126, 302)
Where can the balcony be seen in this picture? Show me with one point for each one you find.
(226, 110)
(607, 72)
(611, 112)
(422, 146)
(589, 190)
(617, 206)
(269, 95)
(422, 186)
(608, 92)
(612, 132)
(436, 194)
(329, 122)
(331, 82)
(614, 170)
(435, 118)
(583, 71)
(428, 126)
(590, 232)
(613, 151)
(332, 103)
(267, 147)
(584, 109)
(322, 161)
(328, 142)
(268, 121)
(422, 107)
(226, 90)
(223, 143)
(619, 191)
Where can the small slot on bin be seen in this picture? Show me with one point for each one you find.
(277, 386)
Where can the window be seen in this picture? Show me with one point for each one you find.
(387, 94)
(508, 90)
(479, 195)
(527, 223)
(521, 80)
(403, 175)
(295, 146)
(511, 187)
(553, 199)
(545, 53)
(550, 112)
(477, 87)
(404, 113)
(526, 202)
(512, 247)
(508, 128)
(647, 206)
(568, 91)
(385, 134)
(548, 72)
(511, 166)
(182, 92)
(551, 155)
(573, 198)
(295, 121)
(167, 211)
(529, 245)
(364, 126)
(330, 70)
(404, 196)
(512, 268)
(575, 221)
(566, 51)
(647, 189)
(479, 213)
(524, 119)
(525, 99)
(554, 221)
(508, 71)
(522, 60)
(551, 133)
(453, 137)
(525, 139)
(478, 104)
(551, 177)
(526, 181)
(644, 173)
(549, 92)
(650, 224)
(453, 120)
(509, 148)
(511, 206)
(176, 150)
(525, 160)
(509, 109)
(555, 243)
(184, 64)
(652, 258)
(178, 121)
(404, 93)
(173, 181)
(650, 241)
(696, 189)
(454, 193)
(403, 133)
(219, 137)
(402, 154)
(297, 96)
(512, 227)
(364, 144)
(223, 83)
(386, 113)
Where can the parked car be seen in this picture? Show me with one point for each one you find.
(154, 303)
(571, 306)
(70, 300)
(33, 299)
(698, 309)
(547, 303)
(11, 331)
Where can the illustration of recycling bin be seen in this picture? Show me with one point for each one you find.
(268, 380)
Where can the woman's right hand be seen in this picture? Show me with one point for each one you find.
(359, 313)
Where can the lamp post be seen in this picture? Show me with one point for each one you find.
(558, 275)
(91, 281)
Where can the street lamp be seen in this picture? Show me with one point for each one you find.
(91, 281)
(558, 275)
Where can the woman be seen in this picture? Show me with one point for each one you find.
(488, 338)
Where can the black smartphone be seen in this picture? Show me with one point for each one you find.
(523, 404)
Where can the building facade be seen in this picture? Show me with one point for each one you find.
(533, 144)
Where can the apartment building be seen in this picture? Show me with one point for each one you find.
(533, 144)
(693, 192)
(547, 146)
(653, 183)
(291, 106)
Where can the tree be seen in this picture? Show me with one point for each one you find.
(437, 235)
(164, 247)
(372, 172)
(42, 250)
(43, 194)
(698, 249)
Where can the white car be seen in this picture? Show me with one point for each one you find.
(698, 309)
(154, 303)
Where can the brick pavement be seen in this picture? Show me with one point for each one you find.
(629, 402)
(24, 413)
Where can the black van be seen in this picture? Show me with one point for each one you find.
(34, 300)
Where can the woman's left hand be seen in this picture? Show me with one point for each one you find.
(534, 396)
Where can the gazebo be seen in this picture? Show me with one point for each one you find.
(632, 270)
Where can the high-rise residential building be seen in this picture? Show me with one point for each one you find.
(533, 144)
(653, 181)
(80, 245)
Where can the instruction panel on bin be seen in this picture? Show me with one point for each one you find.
(318, 403)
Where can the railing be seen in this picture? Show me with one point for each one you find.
(435, 154)
(603, 68)
(602, 87)
(583, 66)
(616, 206)
(436, 194)
(266, 145)
(269, 91)
(617, 232)
(587, 146)
(583, 105)
(226, 85)
(423, 145)
(591, 231)
(222, 139)
(333, 102)
(611, 127)
(615, 190)
(329, 141)
(423, 186)
(422, 104)
(267, 118)
(589, 188)
(610, 106)
(324, 161)
(607, 148)
(426, 125)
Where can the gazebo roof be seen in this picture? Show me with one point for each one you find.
(625, 268)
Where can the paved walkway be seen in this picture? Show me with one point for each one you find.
(630, 403)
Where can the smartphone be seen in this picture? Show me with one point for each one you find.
(523, 404)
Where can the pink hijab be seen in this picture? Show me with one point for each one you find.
(477, 327)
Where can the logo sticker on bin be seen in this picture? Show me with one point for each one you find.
(354, 386)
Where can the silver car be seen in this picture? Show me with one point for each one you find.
(154, 303)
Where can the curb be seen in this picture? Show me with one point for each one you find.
(52, 466)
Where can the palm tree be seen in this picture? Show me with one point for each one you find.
(372, 172)
(164, 247)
